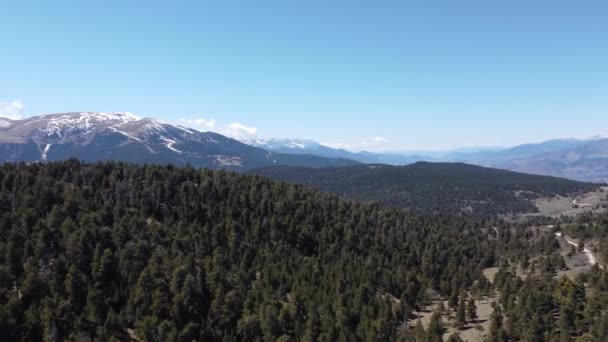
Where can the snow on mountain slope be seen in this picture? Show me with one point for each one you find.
(123, 136)
(62, 128)
(306, 146)
(283, 144)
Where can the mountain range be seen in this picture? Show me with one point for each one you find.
(585, 160)
(307, 146)
(95, 136)
(578, 159)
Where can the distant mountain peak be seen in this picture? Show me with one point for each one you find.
(124, 136)
(88, 118)
(64, 127)
(307, 146)
(281, 143)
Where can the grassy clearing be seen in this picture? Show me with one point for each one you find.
(473, 331)
(556, 206)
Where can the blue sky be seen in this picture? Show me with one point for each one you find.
(377, 75)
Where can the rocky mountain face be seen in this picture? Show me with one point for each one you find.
(95, 136)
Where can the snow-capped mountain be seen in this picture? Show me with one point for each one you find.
(306, 146)
(291, 145)
(96, 136)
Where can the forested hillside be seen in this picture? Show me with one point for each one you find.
(541, 307)
(113, 251)
(433, 187)
(540, 299)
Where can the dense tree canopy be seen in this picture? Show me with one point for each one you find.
(541, 307)
(113, 251)
(106, 250)
(434, 187)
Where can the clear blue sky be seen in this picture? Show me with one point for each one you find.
(366, 74)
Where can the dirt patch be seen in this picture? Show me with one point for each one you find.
(490, 273)
(577, 261)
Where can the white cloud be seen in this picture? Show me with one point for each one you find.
(380, 139)
(238, 130)
(11, 110)
(234, 130)
(199, 123)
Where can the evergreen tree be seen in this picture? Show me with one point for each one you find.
(436, 329)
(497, 332)
(461, 320)
(419, 332)
(471, 310)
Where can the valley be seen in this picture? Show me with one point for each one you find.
(304, 171)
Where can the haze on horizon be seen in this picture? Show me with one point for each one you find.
(376, 76)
